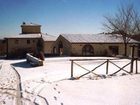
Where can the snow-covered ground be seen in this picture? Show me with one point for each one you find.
(8, 85)
(51, 85)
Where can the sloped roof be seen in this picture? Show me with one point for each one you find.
(22, 36)
(95, 38)
(47, 37)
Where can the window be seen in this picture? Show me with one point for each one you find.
(114, 50)
(33, 41)
(3, 41)
(16, 41)
(28, 41)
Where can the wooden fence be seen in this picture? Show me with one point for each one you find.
(107, 62)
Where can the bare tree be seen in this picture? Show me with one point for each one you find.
(125, 22)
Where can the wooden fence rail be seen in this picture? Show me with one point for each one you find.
(107, 62)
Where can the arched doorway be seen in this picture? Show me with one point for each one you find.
(87, 50)
(60, 48)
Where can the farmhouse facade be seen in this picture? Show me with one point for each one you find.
(92, 45)
(26, 42)
(64, 44)
(19, 45)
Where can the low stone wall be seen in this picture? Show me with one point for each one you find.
(33, 60)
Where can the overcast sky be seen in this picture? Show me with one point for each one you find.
(58, 16)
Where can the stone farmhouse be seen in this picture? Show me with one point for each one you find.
(64, 44)
(92, 45)
(26, 42)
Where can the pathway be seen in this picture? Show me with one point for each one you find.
(9, 85)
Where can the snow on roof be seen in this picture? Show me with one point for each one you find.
(1, 37)
(24, 36)
(47, 37)
(29, 24)
(95, 38)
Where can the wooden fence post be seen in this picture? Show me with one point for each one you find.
(136, 66)
(71, 68)
(132, 58)
(107, 64)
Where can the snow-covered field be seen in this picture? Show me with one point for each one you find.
(51, 85)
